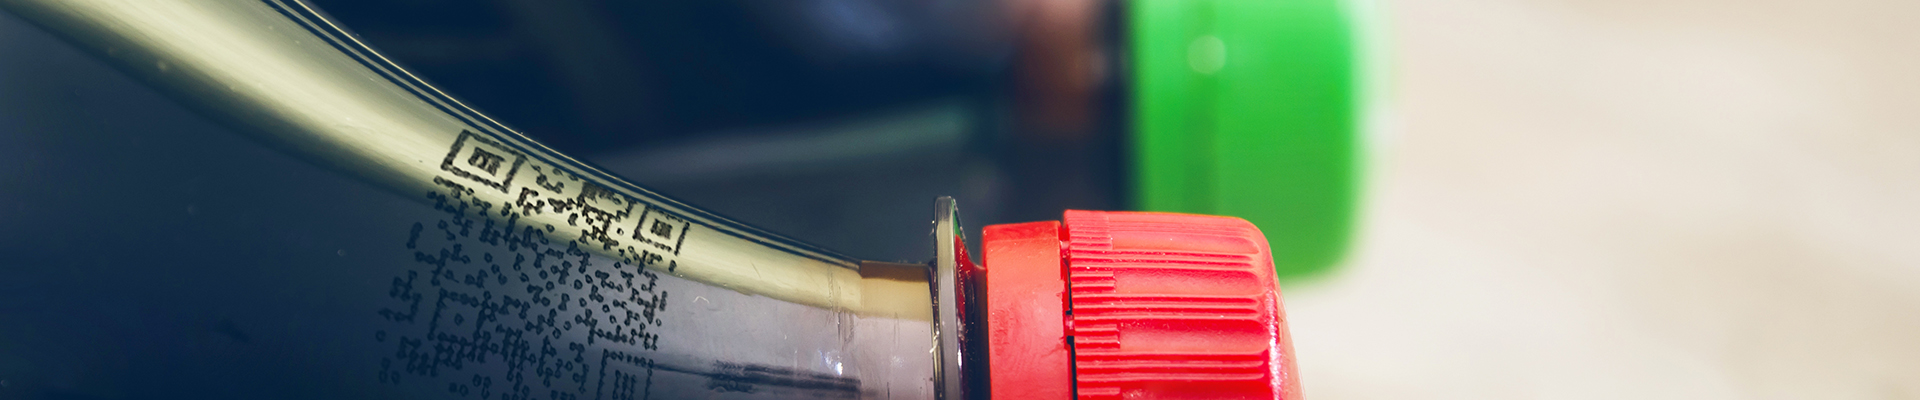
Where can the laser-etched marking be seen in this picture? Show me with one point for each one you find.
(514, 309)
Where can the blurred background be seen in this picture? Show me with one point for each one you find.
(1701, 199)
(1633, 199)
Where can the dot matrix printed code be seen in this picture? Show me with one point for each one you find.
(501, 307)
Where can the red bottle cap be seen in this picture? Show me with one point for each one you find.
(1134, 305)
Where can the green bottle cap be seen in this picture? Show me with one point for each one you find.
(1249, 108)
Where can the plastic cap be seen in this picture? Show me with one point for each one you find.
(1134, 305)
(1250, 109)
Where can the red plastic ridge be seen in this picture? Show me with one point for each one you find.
(1175, 306)
(1131, 305)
